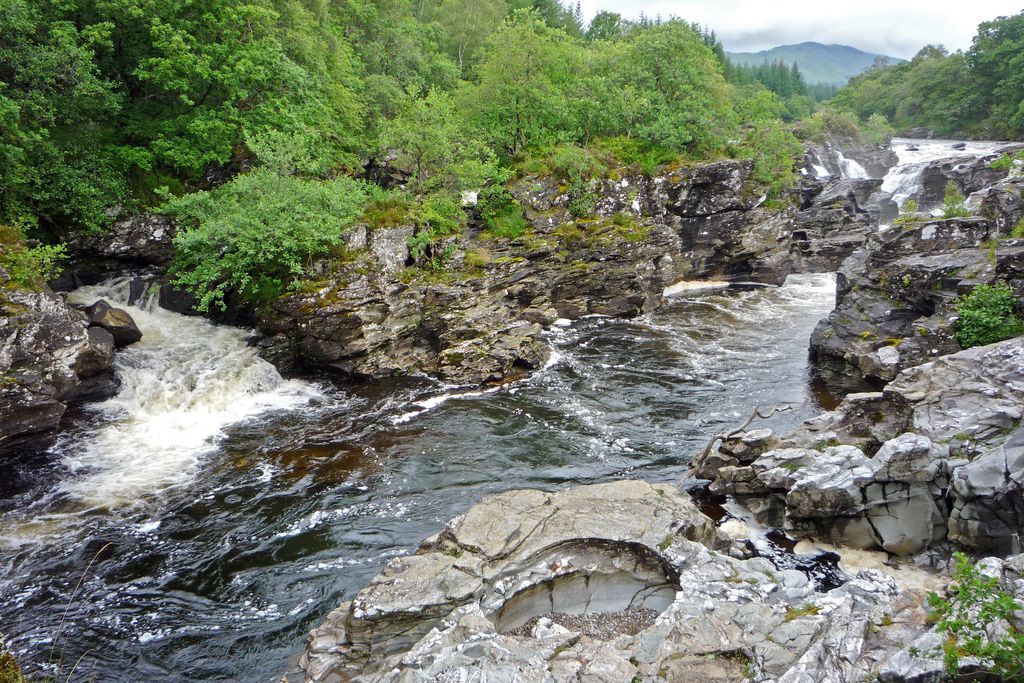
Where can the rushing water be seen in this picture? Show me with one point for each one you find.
(224, 510)
(904, 180)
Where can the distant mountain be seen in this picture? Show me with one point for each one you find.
(828, 64)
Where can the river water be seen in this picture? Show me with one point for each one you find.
(217, 511)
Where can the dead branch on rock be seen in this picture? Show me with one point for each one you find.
(736, 433)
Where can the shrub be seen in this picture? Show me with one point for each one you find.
(1018, 230)
(566, 162)
(908, 213)
(877, 129)
(254, 236)
(632, 152)
(977, 608)
(440, 216)
(501, 213)
(1006, 161)
(954, 204)
(478, 258)
(775, 151)
(388, 209)
(986, 316)
(32, 267)
(582, 199)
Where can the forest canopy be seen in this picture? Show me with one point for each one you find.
(109, 107)
(977, 92)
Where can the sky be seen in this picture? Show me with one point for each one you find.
(891, 27)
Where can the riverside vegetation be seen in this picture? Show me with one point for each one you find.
(268, 128)
(231, 118)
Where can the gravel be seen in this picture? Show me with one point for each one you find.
(602, 626)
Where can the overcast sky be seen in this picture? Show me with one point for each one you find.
(893, 27)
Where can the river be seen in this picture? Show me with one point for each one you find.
(217, 511)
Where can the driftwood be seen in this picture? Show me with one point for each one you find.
(736, 433)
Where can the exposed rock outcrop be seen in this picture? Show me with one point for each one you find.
(942, 436)
(896, 296)
(531, 586)
(480, 319)
(49, 357)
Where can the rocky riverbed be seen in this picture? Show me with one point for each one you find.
(620, 580)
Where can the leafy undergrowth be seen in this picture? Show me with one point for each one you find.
(987, 315)
(978, 618)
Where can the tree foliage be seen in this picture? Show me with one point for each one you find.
(109, 106)
(976, 92)
(255, 236)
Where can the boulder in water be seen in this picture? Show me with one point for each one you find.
(960, 146)
(115, 321)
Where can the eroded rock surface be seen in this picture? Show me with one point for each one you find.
(472, 603)
(942, 436)
(896, 296)
(49, 357)
(480, 319)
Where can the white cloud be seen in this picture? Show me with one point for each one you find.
(899, 29)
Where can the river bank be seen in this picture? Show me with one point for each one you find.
(292, 494)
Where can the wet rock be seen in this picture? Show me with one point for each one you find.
(896, 296)
(94, 368)
(533, 586)
(41, 339)
(115, 321)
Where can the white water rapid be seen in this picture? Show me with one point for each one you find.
(903, 180)
(850, 168)
(181, 386)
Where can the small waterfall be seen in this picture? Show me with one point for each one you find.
(903, 181)
(818, 166)
(849, 167)
(181, 386)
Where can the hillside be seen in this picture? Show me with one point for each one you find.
(829, 64)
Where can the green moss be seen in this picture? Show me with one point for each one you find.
(826, 443)
(807, 610)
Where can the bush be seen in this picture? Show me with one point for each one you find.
(255, 236)
(954, 204)
(1006, 161)
(632, 152)
(582, 200)
(978, 607)
(29, 267)
(775, 152)
(440, 215)
(388, 209)
(1018, 230)
(986, 316)
(501, 213)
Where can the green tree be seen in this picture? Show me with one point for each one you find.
(437, 147)
(605, 26)
(255, 236)
(467, 23)
(526, 70)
